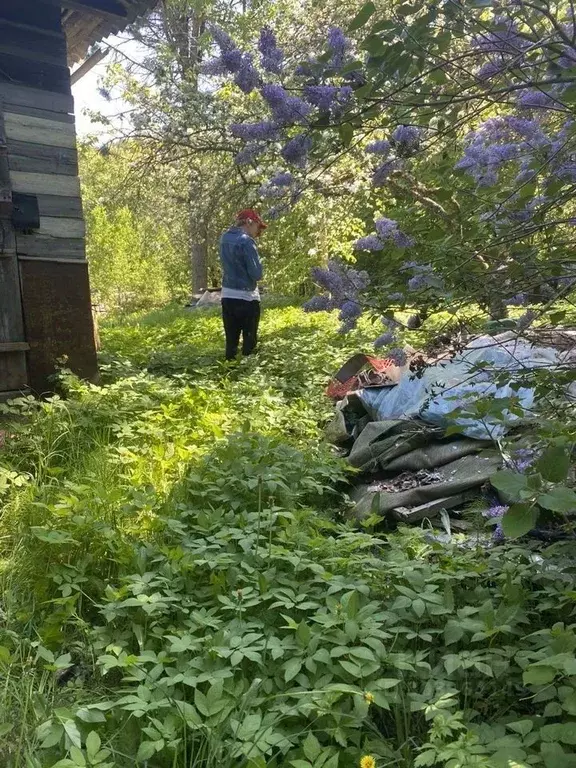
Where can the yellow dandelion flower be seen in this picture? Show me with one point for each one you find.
(367, 762)
(369, 697)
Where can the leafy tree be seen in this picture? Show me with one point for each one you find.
(135, 237)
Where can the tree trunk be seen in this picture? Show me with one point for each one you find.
(199, 266)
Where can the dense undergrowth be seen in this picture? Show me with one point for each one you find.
(179, 587)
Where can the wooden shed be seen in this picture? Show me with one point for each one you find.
(45, 306)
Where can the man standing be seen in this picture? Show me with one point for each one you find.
(241, 271)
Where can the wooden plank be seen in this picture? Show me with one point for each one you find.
(45, 184)
(57, 205)
(13, 346)
(13, 370)
(53, 260)
(89, 64)
(106, 8)
(36, 74)
(31, 54)
(37, 130)
(36, 98)
(60, 227)
(41, 16)
(45, 114)
(46, 245)
(25, 37)
(11, 322)
(40, 158)
(58, 314)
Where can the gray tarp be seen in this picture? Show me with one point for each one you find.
(455, 383)
(461, 475)
(399, 445)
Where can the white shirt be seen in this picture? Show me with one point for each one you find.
(232, 293)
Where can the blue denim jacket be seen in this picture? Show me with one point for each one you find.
(241, 267)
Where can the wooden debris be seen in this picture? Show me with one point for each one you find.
(430, 509)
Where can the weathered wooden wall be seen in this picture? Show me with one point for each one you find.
(42, 159)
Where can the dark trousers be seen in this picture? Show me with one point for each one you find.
(240, 318)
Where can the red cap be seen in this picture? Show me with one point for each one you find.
(250, 215)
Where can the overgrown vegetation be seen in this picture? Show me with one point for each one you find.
(180, 586)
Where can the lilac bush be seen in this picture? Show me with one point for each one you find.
(343, 287)
(514, 166)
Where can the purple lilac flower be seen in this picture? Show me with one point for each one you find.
(506, 41)
(345, 93)
(321, 96)
(213, 68)
(496, 142)
(272, 56)
(283, 179)
(516, 301)
(490, 69)
(498, 533)
(526, 320)
(406, 137)
(221, 38)
(350, 310)
(567, 281)
(249, 153)
(381, 173)
(357, 281)
(419, 282)
(568, 58)
(328, 279)
(317, 304)
(381, 147)
(390, 323)
(247, 78)
(494, 512)
(396, 297)
(295, 152)
(232, 60)
(566, 171)
(534, 99)
(266, 130)
(271, 192)
(413, 322)
(524, 458)
(369, 243)
(339, 44)
(385, 339)
(386, 228)
(347, 326)
(402, 240)
(398, 356)
(286, 109)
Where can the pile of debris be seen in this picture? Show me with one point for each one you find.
(413, 434)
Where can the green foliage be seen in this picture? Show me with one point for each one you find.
(180, 587)
(136, 245)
